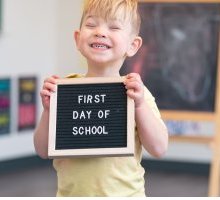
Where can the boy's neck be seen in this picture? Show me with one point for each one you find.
(102, 71)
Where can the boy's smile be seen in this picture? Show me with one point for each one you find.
(100, 46)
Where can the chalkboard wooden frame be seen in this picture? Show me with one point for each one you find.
(187, 114)
(214, 179)
(120, 151)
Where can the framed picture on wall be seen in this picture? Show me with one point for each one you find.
(27, 105)
(5, 105)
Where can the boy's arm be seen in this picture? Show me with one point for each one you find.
(42, 130)
(41, 135)
(151, 129)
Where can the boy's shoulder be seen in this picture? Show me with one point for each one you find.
(74, 75)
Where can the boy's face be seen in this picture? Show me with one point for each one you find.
(106, 41)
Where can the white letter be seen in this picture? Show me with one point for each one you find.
(87, 130)
(105, 133)
(103, 97)
(94, 130)
(81, 130)
(88, 113)
(82, 115)
(89, 99)
(100, 114)
(107, 113)
(97, 100)
(80, 98)
(99, 130)
(75, 114)
(75, 131)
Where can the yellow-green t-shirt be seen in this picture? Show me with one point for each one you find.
(103, 176)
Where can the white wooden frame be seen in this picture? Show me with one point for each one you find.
(125, 151)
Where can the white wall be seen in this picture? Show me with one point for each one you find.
(36, 39)
(68, 57)
(27, 39)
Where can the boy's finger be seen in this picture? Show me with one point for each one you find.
(55, 76)
(131, 94)
(44, 93)
(134, 84)
(51, 80)
(49, 86)
(134, 75)
(133, 79)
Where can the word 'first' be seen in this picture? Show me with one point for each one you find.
(98, 98)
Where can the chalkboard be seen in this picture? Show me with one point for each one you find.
(91, 116)
(178, 59)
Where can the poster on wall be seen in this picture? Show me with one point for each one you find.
(27, 103)
(4, 106)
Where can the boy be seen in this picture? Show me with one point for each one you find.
(108, 34)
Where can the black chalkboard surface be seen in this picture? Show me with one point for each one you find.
(91, 116)
(179, 55)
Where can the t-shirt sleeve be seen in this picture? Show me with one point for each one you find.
(151, 102)
(74, 75)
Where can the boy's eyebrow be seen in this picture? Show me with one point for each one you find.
(110, 19)
(90, 16)
(116, 20)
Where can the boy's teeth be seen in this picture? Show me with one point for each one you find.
(99, 46)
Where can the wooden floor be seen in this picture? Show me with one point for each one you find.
(40, 181)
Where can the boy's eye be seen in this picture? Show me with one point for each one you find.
(90, 25)
(114, 27)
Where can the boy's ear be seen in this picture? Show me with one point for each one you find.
(135, 45)
(76, 37)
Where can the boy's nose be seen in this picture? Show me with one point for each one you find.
(101, 32)
(100, 35)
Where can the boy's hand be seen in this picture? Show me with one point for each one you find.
(48, 87)
(135, 88)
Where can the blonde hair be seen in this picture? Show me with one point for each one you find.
(109, 9)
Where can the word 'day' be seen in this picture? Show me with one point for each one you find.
(91, 117)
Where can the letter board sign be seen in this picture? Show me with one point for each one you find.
(91, 117)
